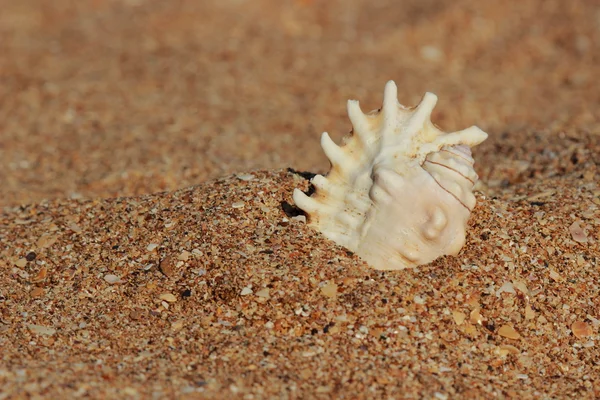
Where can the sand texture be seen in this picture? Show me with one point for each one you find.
(148, 247)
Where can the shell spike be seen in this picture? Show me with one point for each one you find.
(334, 153)
(390, 105)
(471, 137)
(320, 182)
(360, 123)
(422, 114)
(304, 202)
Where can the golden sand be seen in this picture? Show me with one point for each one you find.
(212, 288)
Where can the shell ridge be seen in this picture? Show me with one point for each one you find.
(448, 150)
(451, 169)
(450, 193)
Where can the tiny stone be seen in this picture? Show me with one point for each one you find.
(136, 314)
(506, 287)
(21, 262)
(475, 317)
(578, 233)
(330, 290)
(520, 286)
(169, 297)
(147, 267)
(581, 329)
(41, 330)
(555, 276)
(177, 325)
(459, 317)
(246, 291)
(324, 389)
(245, 177)
(152, 246)
(238, 204)
(46, 240)
(299, 218)
(529, 314)
(184, 256)
(167, 266)
(41, 275)
(470, 329)
(509, 349)
(110, 278)
(509, 332)
(74, 227)
(264, 293)
(30, 256)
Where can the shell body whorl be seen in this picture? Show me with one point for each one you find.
(399, 191)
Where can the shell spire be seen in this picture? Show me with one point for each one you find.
(399, 191)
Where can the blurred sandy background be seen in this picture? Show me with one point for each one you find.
(114, 98)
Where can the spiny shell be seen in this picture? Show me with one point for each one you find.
(399, 191)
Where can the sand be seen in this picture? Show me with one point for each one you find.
(147, 245)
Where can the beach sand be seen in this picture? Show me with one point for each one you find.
(148, 154)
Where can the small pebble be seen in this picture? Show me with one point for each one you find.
(168, 297)
(41, 275)
(581, 329)
(330, 290)
(167, 266)
(152, 246)
(264, 293)
(110, 278)
(577, 233)
(184, 256)
(21, 262)
(177, 325)
(41, 330)
(555, 276)
(509, 332)
(459, 317)
(246, 291)
(245, 177)
(507, 287)
(299, 218)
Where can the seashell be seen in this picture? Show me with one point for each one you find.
(399, 191)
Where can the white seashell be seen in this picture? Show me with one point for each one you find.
(399, 191)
